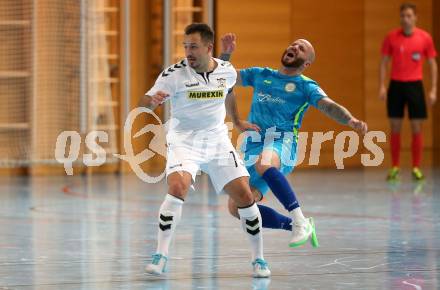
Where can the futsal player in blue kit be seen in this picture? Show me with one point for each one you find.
(280, 99)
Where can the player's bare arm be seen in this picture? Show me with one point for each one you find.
(229, 43)
(232, 111)
(382, 76)
(228, 46)
(434, 72)
(341, 115)
(152, 102)
(231, 108)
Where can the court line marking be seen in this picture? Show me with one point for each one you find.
(145, 258)
(343, 262)
(417, 287)
(148, 278)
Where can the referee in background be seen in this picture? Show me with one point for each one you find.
(407, 47)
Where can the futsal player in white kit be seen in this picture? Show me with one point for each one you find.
(198, 139)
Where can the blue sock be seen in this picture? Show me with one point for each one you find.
(272, 219)
(281, 188)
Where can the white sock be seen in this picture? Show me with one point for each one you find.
(297, 216)
(252, 224)
(169, 216)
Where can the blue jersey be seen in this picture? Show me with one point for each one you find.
(279, 100)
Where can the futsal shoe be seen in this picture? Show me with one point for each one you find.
(261, 269)
(417, 174)
(393, 174)
(158, 265)
(301, 232)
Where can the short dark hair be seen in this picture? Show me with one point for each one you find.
(206, 33)
(408, 5)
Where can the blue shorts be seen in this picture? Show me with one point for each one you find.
(286, 151)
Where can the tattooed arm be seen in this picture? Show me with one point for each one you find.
(225, 56)
(341, 114)
(334, 110)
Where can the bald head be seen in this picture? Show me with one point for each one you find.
(298, 55)
(309, 49)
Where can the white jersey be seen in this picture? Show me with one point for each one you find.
(197, 99)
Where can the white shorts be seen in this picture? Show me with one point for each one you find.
(212, 154)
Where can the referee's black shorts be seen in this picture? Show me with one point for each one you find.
(411, 94)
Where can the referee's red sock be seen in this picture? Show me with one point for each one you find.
(417, 149)
(395, 149)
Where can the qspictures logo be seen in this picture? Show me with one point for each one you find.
(346, 144)
(157, 146)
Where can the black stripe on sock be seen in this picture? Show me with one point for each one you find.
(253, 232)
(165, 218)
(164, 227)
(252, 223)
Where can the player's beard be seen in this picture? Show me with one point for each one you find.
(296, 63)
(193, 63)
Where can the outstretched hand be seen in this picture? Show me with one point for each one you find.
(228, 43)
(158, 98)
(246, 126)
(359, 126)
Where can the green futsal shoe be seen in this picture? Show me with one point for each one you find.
(393, 174)
(417, 174)
(301, 232)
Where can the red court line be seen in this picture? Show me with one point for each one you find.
(67, 191)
